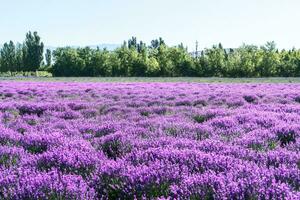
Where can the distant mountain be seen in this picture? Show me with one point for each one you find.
(109, 47)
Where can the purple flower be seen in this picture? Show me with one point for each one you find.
(76, 140)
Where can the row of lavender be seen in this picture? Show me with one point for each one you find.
(149, 140)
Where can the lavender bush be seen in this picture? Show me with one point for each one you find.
(149, 141)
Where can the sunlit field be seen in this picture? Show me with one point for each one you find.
(79, 140)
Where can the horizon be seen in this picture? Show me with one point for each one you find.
(231, 23)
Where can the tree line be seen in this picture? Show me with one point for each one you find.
(22, 57)
(136, 58)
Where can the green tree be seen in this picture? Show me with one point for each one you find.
(243, 61)
(288, 63)
(153, 68)
(132, 43)
(127, 56)
(32, 51)
(161, 54)
(67, 62)
(99, 64)
(139, 59)
(115, 64)
(48, 57)
(270, 60)
(296, 58)
(216, 61)
(19, 57)
(141, 47)
(157, 43)
(8, 57)
(182, 62)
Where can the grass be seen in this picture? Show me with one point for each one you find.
(158, 79)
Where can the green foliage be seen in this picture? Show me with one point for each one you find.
(48, 57)
(7, 160)
(135, 59)
(22, 57)
(216, 61)
(67, 62)
(8, 57)
(286, 138)
(200, 118)
(270, 60)
(32, 51)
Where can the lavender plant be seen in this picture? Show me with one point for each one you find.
(62, 140)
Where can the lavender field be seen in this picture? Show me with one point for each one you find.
(64, 140)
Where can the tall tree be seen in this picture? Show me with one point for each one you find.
(68, 62)
(19, 57)
(141, 47)
(196, 52)
(216, 61)
(132, 43)
(32, 51)
(270, 60)
(8, 57)
(157, 43)
(48, 57)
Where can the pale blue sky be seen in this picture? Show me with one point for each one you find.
(89, 22)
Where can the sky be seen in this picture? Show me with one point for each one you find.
(92, 22)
